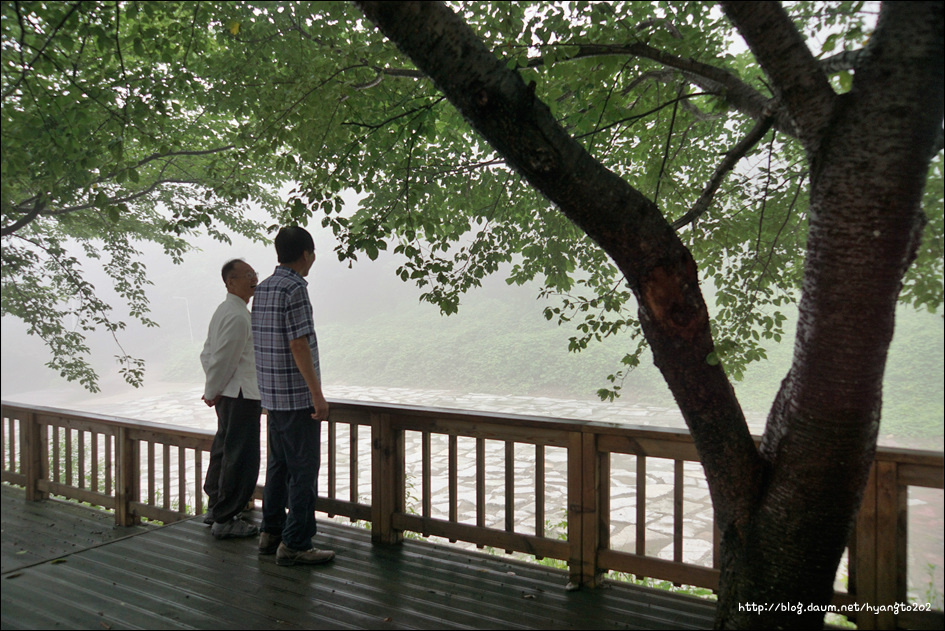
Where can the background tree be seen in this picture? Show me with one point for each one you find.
(110, 137)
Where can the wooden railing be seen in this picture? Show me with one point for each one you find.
(135, 468)
(495, 480)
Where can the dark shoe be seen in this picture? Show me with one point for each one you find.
(233, 529)
(269, 543)
(288, 556)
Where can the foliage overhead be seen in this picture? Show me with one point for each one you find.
(110, 138)
(127, 121)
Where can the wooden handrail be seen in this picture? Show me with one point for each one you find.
(141, 469)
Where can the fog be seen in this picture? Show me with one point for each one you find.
(375, 333)
(346, 297)
(183, 298)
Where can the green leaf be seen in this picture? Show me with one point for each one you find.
(846, 80)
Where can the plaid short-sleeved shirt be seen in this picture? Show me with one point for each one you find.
(282, 312)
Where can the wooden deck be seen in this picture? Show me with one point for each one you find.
(65, 566)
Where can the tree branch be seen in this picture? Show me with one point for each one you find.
(732, 156)
(845, 60)
(679, 100)
(739, 94)
(34, 213)
(28, 217)
(386, 122)
(29, 66)
(798, 80)
(38, 209)
(669, 137)
(121, 59)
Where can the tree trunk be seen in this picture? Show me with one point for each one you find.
(785, 511)
(868, 174)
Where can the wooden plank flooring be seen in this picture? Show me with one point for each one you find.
(39, 531)
(178, 576)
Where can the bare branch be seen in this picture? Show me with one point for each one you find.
(732, 156)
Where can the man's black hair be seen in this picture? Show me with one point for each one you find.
(292, 242)
(228, 268)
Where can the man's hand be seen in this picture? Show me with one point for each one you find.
(302, 354)
(211, 402)
(321, 407)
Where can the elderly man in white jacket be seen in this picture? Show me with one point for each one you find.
(231, 388)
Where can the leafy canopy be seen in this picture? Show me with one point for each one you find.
(128, 121)
(110, 137)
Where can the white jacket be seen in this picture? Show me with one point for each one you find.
(227, 356)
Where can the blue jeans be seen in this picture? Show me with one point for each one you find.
(292, 476)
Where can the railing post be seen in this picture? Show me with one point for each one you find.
(388, 483)
(584, 510)
(33, 456)
(127, 489)
(862, 579)
(878, 576)
(891, 540)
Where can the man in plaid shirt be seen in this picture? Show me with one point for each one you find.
(286, 352)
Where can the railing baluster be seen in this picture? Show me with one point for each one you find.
(332, 460)
(181, 480)
(641, 505)
(198, 476)
(604, 501)
(539, 491)
(80, 474)
(151, 475)
(353, 463)
(509, 488)
(109, 472)
(453, 467)
(56, 462)
(480, 484)
(678, 488)
(166, 485)
(425, 491)
(93, 482)
(69, 467)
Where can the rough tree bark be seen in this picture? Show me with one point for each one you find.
(785, 511)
